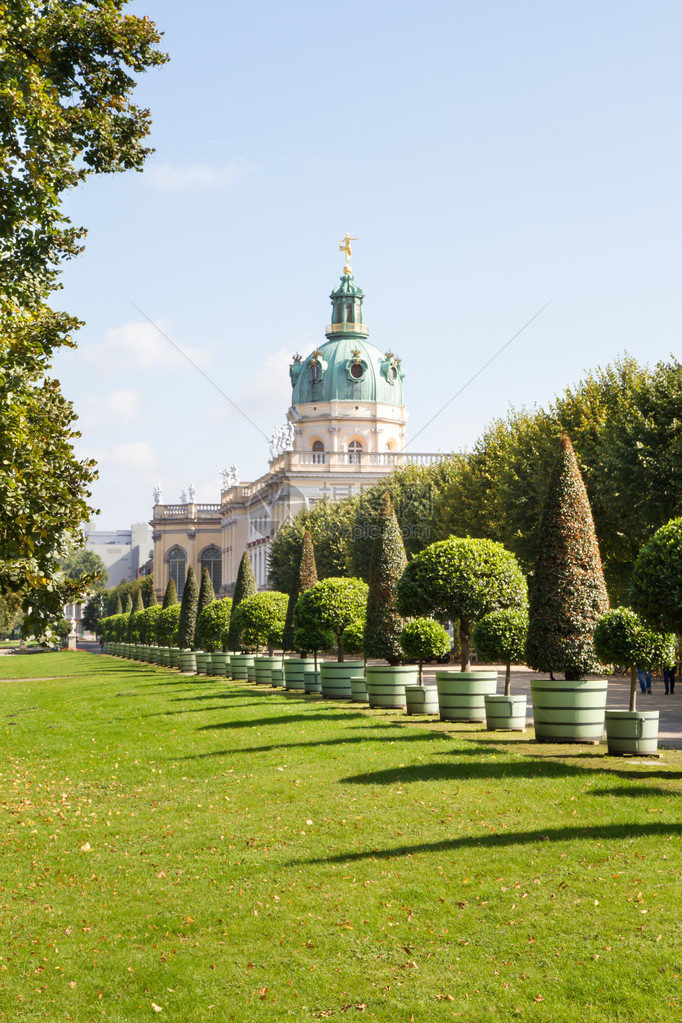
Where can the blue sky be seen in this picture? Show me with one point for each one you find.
(491, 157)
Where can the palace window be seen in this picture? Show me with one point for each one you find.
(176, 568)
(212, 560)
(318, 453)
(354, 452)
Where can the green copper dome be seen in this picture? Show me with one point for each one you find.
(347, 367)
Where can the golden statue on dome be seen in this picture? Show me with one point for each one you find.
(345, 247)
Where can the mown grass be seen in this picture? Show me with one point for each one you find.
(193, 850)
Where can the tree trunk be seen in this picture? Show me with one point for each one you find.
(507, 680)
(421, 683)
(633, 687)
(339, 651)
(464, 640)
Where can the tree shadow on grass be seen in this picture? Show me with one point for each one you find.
(502, 839)
(279, 720)
(637, 791)
(278, 746)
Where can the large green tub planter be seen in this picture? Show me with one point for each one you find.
(164, 656)
(174, 656)
(188, 661)
(295, 669)
(386, 685)
(336, 676)
(358, 689)
(251, 672)
(220, 663)
(632, 732)
(505, 713)
(569, 711)
(421, 700)
(263, 666)
(277, 677)
(203, 660)
(461, 694)
(312, 681)
(239, 666)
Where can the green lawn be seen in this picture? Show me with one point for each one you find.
(196, 850)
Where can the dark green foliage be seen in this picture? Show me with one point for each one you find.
(501, 636)
(144, 585)
(138, 603)
(331, 606)
(657, 578)
(260, 619)
(170, 597)
(148, 620)
(187, 622)
(307, 577)
(353, 638)
(244, 587)
(212, 623)
(621, 638)
(568, 593)
(153, 599)
(128, 607)
(60, 629)
(167, 625)
(424, 639)
(92, 613)
(206, 592)
(119, 606)
(77, 563)
(461, 578)
(384, 625)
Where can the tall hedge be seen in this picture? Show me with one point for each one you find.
(167, 625)
(568, 592)
(245, 586)
(170, 597)
(387, 564)
(188, 611)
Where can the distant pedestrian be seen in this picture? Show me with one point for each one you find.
(669, 679)
(644, 680)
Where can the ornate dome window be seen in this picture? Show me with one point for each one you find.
(357, 367)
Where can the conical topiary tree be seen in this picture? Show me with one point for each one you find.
(206, 592)
(119, 605)
(153, 599)
(138, 602)
(170, 597)
(384, 625)
(568, 592)
(128, 606)
(245, 586)
(307, 577)
(188, 611)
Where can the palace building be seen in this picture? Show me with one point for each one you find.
(345, 430)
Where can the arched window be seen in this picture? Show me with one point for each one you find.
(212, 560)
(354, 452)
(318, 453)
(176, 568)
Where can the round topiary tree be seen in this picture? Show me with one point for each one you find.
(167, 622)
(501, 637)
(260, 620)
(657, 578)
(212, 623)
(245, 586)
(424, 639)
(621, 637)
(387, 564)
(187, 622)
(462, 578)
(170, 597)
(568, 592)
(331, 606)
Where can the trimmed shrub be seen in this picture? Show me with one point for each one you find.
(188, 611)
(147, 626)
(353, 638)
(424, 639)
(568, 593)
(657, 578)
(622, 638)
(307, 577)
(128, 606)
(212, 623)
(462, 578)
(501, 637)
(206, 592)
(244, 587)
(138, 602)
(119, 606)
(167, 625)
(170, 597)
(260, 620)
(331, 606)
(387, 564)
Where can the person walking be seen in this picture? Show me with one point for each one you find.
(644, 680)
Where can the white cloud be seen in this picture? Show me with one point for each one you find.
(115, 408)
(266, 394)
(141, 345)
(137, 456)
(196, 176)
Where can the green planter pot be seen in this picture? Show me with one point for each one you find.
(174, 656)
(421, 700)
(295, 669)
(312, 682)
(239, 665)
(277, 677)
(336, 676)
(358, 689)
(188, 661)
(505, 713)
(386, 684)
(263, 665)
(220, 663)
(203, 660)
(569, 711)
(251, 672)
(632, 732)
(164, 656)
(153, 655)
(461, 694)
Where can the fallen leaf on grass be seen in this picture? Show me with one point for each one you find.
(86, 848)
(156, 1008)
